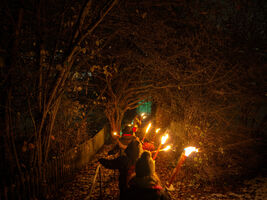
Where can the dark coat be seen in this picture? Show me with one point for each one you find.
(145, 188)
(125, 164)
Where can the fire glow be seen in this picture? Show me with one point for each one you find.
(154, 136)
(163, 140)
(166, 148)
(147, 129)
(143, 116)
(187, 151)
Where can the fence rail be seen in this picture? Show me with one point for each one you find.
(39, 185)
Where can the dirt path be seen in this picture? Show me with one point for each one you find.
(79, 188)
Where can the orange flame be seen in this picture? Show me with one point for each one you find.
(114, 133)
(157, 130)
(164, 138)
(189, 150)
(166, 148)
(148, 127)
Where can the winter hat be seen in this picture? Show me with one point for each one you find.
(145, 165)
(134, 150)
(127, 131)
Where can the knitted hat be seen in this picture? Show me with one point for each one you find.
(127, 130)
(145, 165)
(134, 150)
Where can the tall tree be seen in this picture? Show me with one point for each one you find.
(206, 62)
(40, 44)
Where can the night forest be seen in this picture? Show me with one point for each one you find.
(69, 69)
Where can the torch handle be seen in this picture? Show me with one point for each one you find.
(143, 139)
(154, 157)
(177, 168)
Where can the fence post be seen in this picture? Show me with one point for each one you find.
(100, 182)
(35, 183)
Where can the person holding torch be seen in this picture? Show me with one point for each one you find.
(146, 185)
(125, 164)
(146, 144)
(123, 141)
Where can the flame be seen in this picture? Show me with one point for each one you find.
(157, 130)
(143, 114)
(164, 138)
(189, 150)
(167, 148)
(148, 127)
(114, 133)
(130, 125)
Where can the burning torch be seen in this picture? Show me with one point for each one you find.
(143, 116)
(163, 140)
(187, 151)
(164, 149)
(147, 129)
(157, 130)
(115, 135)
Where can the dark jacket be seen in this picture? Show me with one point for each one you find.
(145, 188)
(122, 163)
(125, 164)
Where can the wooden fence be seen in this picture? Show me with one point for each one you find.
(37, 184)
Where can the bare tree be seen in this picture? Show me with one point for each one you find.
(42, 41)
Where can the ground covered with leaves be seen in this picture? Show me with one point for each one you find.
(184, 189)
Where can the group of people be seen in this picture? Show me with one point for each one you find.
(137, 177)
